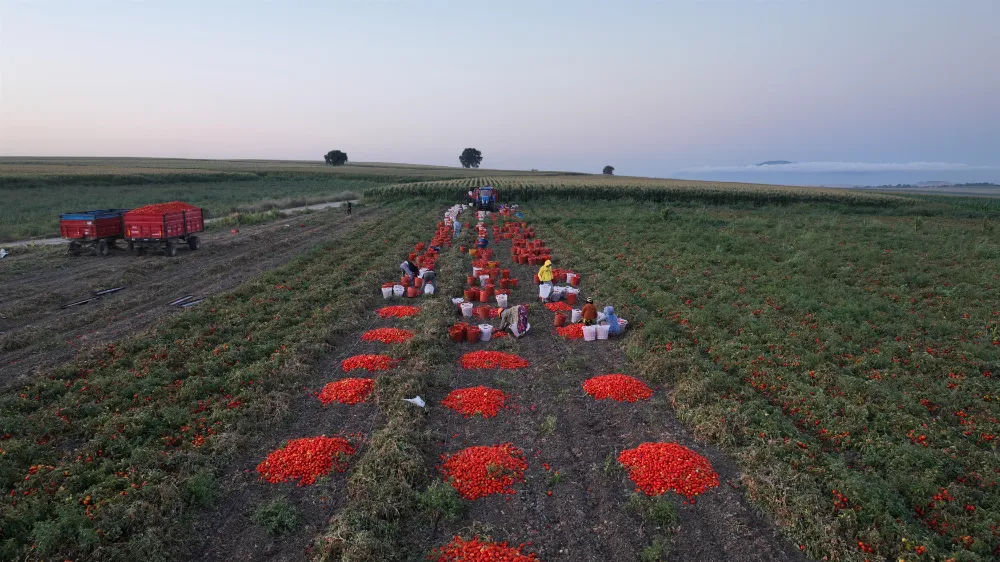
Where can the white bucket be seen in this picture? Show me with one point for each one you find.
(483, 279)
(457, 300)
(428, 289)
(602, 332)
(623, 323)
(476, 270)
(589, 333)
(570, 277)
(576, 315)
(386, 292)
(502, 301)
(398, 290)
(485, 332)
(466, 309)
(572, 290)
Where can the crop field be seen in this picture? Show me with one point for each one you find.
(805, 375)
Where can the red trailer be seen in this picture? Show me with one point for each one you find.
(96, 230)
(163, 227)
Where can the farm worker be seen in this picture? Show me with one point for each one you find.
(458, 228)
(545, 272)
(515, 318)
(409, 269)
(589, 312)
(429, 277)
(612, 319)
(348, 207)
(482, 242)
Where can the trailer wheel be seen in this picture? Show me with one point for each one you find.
(171, 249)
(194, 242)
(74, 249)
(131, 245)
(102, 247)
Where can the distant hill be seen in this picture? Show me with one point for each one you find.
(774, 163)
(934, 183)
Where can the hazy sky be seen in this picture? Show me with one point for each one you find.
(649, 87)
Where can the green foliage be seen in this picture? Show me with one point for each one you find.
(470, 158)
(441, 500)
(277, 516)
(548, 425)
(656, 551)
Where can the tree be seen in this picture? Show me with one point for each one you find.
(609, 170)
(470, 158)
(335, 158)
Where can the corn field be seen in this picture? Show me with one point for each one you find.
(594, 187)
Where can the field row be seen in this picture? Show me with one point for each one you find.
(847, 360)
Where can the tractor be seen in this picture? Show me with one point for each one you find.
(486, 198)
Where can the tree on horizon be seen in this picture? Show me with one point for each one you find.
(609, 170)
(470, 158)
(335, 158)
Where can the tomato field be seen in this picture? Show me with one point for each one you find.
(803, 375)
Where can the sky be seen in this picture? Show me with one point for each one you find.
(670, 89)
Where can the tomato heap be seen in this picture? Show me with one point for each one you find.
(475, 400)
(475, 550)
(387, 335)
(482, 471)
(370, 362)
(558, 306)
(400, 311)
(571, 332)
(658, 467)
(306, 460)
(493, 360)
(622, 388)
(347, 391)
(161, 208)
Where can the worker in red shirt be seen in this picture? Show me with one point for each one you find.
(589, 312)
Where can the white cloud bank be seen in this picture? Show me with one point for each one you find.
(842, 167)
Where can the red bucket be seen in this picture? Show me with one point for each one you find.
(412, 292)
(457, 333)
(470, 280)
(418, 282)
(505, 283)
(570, 298)
(537, 280)
(505, 274)
(560, 320)
(576, 281)
(472, 334)
(471, 295)
(513, 283)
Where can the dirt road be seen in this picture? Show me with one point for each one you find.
(35, 331)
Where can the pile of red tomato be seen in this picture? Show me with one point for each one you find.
(400, 311)
(161, 208)
(658, 467)
(371, 363)
(622, 388)
(571, 332)
(482, 471)
(475, 550)
(558, 306)
(306, 460)
(347, 391)
(387, 335)
(493, 360)
(475, 400)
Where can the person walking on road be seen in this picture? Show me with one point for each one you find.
(589, 312)
(348, 207)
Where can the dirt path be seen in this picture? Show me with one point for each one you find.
(62, 241)
(36, 331)
(555, 423)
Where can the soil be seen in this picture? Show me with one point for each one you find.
(36, 332)
(587, 516)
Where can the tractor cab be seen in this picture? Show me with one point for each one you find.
(486, 198)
